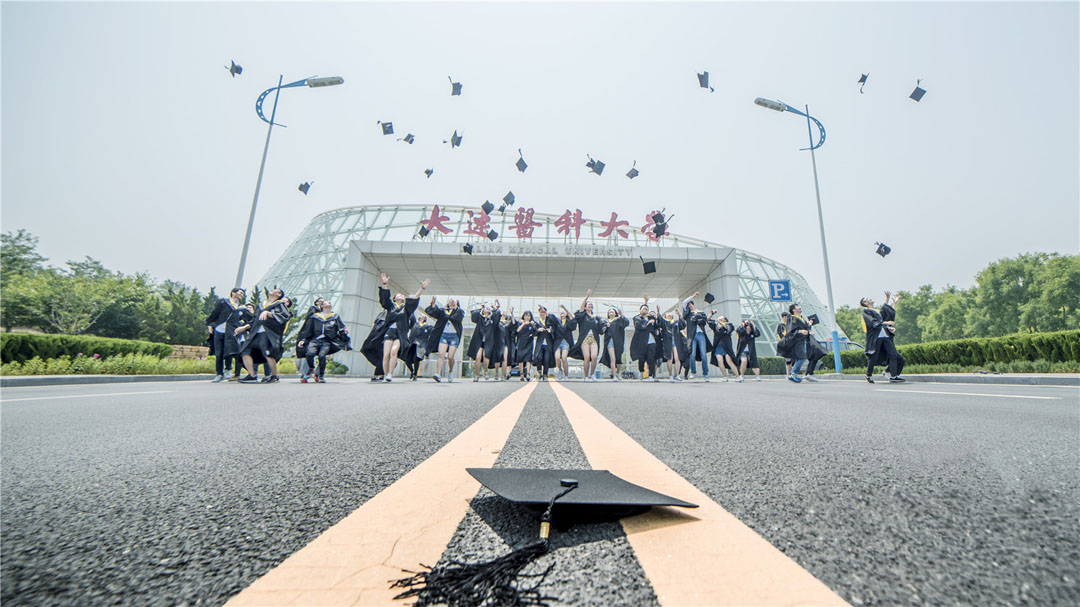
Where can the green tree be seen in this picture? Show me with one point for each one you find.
(850, 320)
(1001, 289)
(948, 318)
(909, 309)
(18, 255)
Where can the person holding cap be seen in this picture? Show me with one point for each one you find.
(543, 354)
(722, 351)
(646, 344)
(524, 331)
(879, 347)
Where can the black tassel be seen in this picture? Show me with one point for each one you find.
(494, 583)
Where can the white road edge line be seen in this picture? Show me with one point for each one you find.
(12, 400)
(971, 394)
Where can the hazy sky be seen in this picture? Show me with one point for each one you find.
(126, 140)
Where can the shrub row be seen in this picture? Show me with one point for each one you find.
(20, 347)
(133, 364)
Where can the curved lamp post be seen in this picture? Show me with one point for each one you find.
(780, 106)
(309, 82)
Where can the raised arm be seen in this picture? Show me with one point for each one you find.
(585, 301)
(423, 286)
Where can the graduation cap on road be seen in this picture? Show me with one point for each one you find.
(709, 298)
(488, 207)
(862, 81)
(703, 82)
(387, 127)
(918, 92)
(492, 235)
(595, 165)
(467, 248)
(234, 69)
(408, 139)
(562, 497)
(428, 172)
(304, 187)
(883, 249)
(455, 140)
(633, 172)
(509, 198)
(424, 231)
(648, 266)
(455, 87)
(521, 164)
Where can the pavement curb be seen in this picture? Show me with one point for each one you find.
(976, 378)
(69, 380)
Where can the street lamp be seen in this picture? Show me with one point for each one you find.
(309, 82)
(780, 106)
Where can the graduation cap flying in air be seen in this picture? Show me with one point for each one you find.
(455, 140)
(487, 207)
(509, 198)
(709, 298)
(648, 266)
(703, 82)
(633, 172)
(387, 127)
(455, 87)
(559, 497)
(424, 231)
(521, 164)
(409, 139)
(234, 69)
(660, 223)
(883, 249)
(862, 82)
(595, 165)
(467, 248)
(304, 187)
(918, 93)
(428, 172)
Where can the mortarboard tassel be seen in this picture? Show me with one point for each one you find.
(491, 583)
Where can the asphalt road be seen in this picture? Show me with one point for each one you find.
(185, 493)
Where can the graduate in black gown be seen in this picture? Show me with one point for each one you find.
(445, 336)
(524, 330)
(240, 316)
(722, 350)
(587, 347)
(390, 330)
(323, 333)
(301, 352)
(485, 340)
(564, 338)
(879, 347)
(676, 345)
(543, 354)
(646, 345)
(746, 349)
(798, 335)
(507, 329)
(783, 344)
(614, 338)
(217, 323)
(266, 335)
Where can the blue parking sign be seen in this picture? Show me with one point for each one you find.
(780, 290)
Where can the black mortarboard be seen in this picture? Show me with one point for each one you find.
(814, 319)
(862, 82)
(488, 207)
(304, 187)
(648, 266)
(509, 198)
(234, 69)
(428, 172)
(595, 165)
(408, 139)
(709, 298)
(521, 164)
(455, 140)
(883, 249)
(633, 172)
(424, 231)
(918, 92)
(467, 248)
(492, 235)
(455, 87)
(502, 208)
(658, 217)
(703, 81)
(387, 127)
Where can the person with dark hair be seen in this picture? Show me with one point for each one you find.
(815, 351)
(265, 344)
(722, 350)
(417, 349)
(301, 353)
(524, 330)
(485, 338)
(798, 333)
(445, 336)
(543, 354)
(217, 324)
(879, 348)
(783, 346)
(696, 322)
(614, 337)
(747, 349)
(390, 329)
(646, 345)
(564, 336)
(323, 333)
(507, 330)
(676, 350)
(588, 342)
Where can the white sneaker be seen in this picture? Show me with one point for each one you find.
(678, 378)
(740, 379)
(757, 378)
(449, 379)
(811, 378)
(476, 378)
(706, 379)
(691, 376)
(671, 380)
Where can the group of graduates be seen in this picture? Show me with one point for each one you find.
(243, 334)
(538, 343)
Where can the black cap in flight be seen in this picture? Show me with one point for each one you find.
(883, 249)
(455, 87)
(234, 69)
(595, 165)
(304, 187)
(488, 207)
(703, 81)
(521, 164)
(648, 266)
(709, 298)
(633, 172)
(387, 127)
(918, 93)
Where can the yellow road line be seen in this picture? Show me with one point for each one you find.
(408, 523)
(704, 556)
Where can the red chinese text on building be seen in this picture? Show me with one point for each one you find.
(569, 221)
(479, 223)
(524, 224)
(650, 223)
(614, 225)
(436, 221)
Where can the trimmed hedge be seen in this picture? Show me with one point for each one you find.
(1056, 347)
(126, 364)
(21, 347)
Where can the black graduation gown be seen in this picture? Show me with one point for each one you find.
(722, 335)
(547, 338)
(678, 340)
(238, 317)
(418, 344)
(523, 341)
(746, 340)
(696, 321)
(565, 331)
(795, 339)
(274, 329)
(399, 316)
(301, 352)
(331, 328)
(614, 335)
(441, 318)
(485, 334)
(639, 343)
(220, 314)
(872, 319)
(585, 324)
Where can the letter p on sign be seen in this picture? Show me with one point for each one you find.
(780, 290)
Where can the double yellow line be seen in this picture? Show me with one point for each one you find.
(702, 557)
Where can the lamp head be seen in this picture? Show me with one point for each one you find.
(769, 103)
